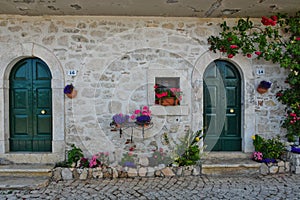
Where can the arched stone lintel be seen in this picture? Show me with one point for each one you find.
(7, 62)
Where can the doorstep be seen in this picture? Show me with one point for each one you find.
(229, 163)
(25, 176)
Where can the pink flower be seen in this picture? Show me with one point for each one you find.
(297, 38)
(130, 153)
(155, 156)
(145, 108)
(137, 112)
(257, 53)
(249, 55)
(230, 56)
(132, 117)
(233, 46)
(293, 115)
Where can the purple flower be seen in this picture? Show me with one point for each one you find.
(143, 119)
(68, 89)
(265, 84)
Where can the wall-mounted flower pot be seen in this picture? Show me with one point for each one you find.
(261, 90)
(73, 94)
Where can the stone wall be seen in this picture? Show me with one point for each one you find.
(116, 59)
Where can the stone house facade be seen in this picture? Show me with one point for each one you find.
(117, 62)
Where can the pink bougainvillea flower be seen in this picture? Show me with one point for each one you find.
(230, 56)
(257, 53)
(273, 23)
(249, 55)
(274, 18)
(265, 21)
(233, 46)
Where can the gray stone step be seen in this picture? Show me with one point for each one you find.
(25, 176)
(26, 170)
(229, 163)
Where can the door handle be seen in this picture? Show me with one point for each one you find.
(43, 112)
(231, 110)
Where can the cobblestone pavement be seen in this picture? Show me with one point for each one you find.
(200, 187)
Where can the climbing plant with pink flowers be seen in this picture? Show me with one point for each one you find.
(276, 39)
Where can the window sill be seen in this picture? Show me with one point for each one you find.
(169, 110)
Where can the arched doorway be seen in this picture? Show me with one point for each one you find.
(30, 106)
(222, 107)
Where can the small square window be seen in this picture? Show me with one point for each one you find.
(167, 91)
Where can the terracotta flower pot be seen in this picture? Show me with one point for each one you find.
(169, 101)
(72, 94)
(261, 90)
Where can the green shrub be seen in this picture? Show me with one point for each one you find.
(270, 148)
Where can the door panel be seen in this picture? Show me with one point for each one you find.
(222, 107)
(30, 94)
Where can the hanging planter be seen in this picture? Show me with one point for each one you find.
(70, 91)
(263, 87)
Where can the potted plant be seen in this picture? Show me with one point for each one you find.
(263, 87)
(70, 91)
(143, 116)
(167, 96)
(120, 119)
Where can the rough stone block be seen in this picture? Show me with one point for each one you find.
(167, 172)
(66, 174)
(264, 169)
(97, 173)
(280, 164)
(179, 171)
(150, 172)
(115, 173)
(84, 174)
(281, 170)
(297, 170)
(273, 169)
(196, 171)
(57, 174)
(132, 172)
(142, 171)
(158, 173)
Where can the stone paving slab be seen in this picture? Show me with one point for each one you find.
(11, 182)
(189, 187)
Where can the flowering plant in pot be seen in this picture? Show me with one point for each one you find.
(276, 39)
(70, 91)
(142, 116)
(167, 96)
(263, 87)
(120, 119)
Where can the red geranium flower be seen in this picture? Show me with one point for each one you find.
(233, 46)
(249, 55)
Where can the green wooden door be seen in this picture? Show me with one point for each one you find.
(222, 107)
(30, 106)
